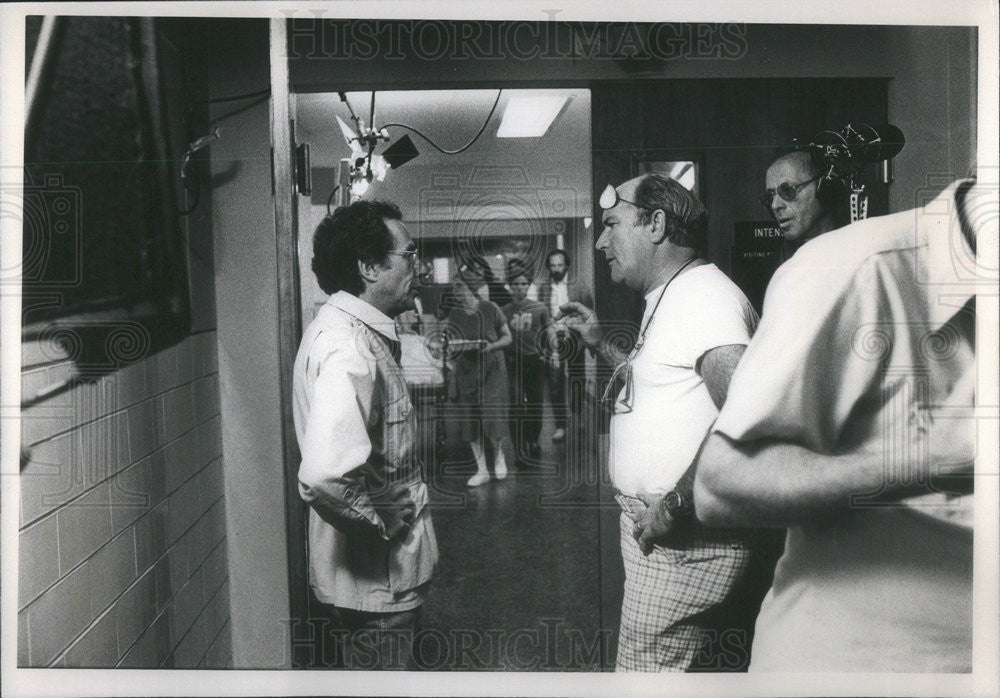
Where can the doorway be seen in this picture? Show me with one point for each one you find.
(517, 586)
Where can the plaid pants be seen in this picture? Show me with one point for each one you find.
(670, 592)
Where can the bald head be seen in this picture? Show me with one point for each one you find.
(799, 159)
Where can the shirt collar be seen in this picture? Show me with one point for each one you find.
(650, 299)
(365, 312)
(651, 296)
(948, 270)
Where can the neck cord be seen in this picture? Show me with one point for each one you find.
(642, 335)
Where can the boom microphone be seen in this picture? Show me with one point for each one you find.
(848, 151)
(878, 144)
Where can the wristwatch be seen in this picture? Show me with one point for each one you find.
(678, 506)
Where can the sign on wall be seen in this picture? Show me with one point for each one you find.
(755, 254)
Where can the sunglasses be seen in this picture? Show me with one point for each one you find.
(609, 199)
(614, 399)
(786, 190)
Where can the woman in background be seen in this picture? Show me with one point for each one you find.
(478, 332)
(478, 276)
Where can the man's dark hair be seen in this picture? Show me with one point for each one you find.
(553, 253)
(352, 234)
(518, 267)
(686, 220)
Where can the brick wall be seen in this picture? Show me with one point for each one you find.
(122, 538)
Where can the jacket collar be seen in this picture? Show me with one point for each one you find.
(365, 312)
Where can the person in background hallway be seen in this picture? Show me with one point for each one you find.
(531, 326)
(664, 395)
(566, 361)
(372, 549)
(849, 421)
(478, 276)
(480, 376)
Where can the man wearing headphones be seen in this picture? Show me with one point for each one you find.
(802, 200)
(805, 203)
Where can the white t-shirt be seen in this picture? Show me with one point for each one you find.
(654, 444)
(558, 297)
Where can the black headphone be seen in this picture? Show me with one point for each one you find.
(831, 188)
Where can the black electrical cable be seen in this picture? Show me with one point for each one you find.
(330, 198)
(191, 182)
(464, 147)
(235, 98)
(195, 195)
(242, 109)
(195, 189)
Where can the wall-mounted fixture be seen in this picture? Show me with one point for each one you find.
(366, 166)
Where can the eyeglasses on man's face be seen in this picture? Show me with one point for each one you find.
(411, 256)
(786, 190)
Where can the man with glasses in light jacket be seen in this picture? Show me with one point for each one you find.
(372, 549)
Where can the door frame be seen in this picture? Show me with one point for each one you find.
(289, 323)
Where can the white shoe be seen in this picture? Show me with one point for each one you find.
(559, 435)
(500, 467)
(480, 478)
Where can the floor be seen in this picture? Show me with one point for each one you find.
(529, 576)
(518, 587)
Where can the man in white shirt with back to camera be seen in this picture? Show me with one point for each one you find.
(850, 422)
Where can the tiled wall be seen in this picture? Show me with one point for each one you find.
(122, 526)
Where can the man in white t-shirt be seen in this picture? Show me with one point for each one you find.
(665, 395)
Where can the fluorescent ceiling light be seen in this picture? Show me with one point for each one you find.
(529, 116)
